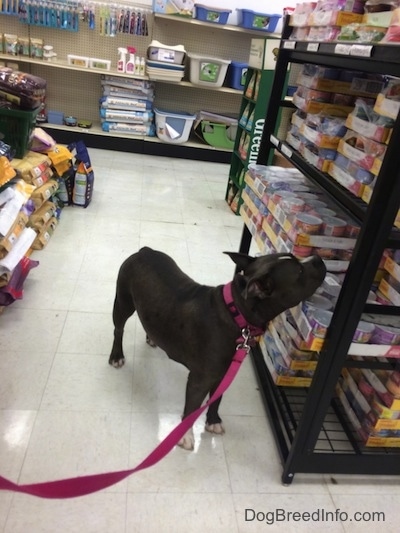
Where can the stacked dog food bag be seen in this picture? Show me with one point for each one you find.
(22, 99)
(127, 105)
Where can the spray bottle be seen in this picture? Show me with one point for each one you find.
(121, 65)
(130, 64)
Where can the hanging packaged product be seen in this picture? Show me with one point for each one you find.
(245, 116)
(250, 87)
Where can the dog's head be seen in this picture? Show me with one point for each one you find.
(270, 284)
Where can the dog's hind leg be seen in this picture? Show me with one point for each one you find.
(123, 309)
(213, 420)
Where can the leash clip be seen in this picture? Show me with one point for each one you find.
(244, 345)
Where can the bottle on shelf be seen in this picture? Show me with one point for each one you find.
(121, 65)
(130, 64)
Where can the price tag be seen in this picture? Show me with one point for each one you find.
(361, 50)
(343, 49)
(289, 45)
(274, 140)
(312, 47)
(286, 151)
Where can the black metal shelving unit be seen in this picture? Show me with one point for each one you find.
(311, 430)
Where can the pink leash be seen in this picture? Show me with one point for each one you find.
(81, 486)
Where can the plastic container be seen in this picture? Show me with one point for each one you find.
(101, 64)
(258, 21)
(173, 127)
(17, 127)
(209, 71)
(78, 61)
(211, 14)
(162, 52)
(218, 135)
(55, 117)
(237, 73)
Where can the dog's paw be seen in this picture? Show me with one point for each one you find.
(217, 429)
(117, 363)
(187, 441)
(150, 342)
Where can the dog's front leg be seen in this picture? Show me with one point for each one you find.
(196, 390)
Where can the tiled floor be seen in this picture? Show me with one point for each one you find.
(65, 412)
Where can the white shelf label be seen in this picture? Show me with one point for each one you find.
(286, 151)
(274, 140)
(312, 47)
(289, 45)
(361, 50)
(343, 49)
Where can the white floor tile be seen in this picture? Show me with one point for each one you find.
(180, 513)
(97, 513)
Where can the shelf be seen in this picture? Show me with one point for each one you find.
(218, 27)
(355, 206)
(336, 444)
(313, 433)
(376, 58)
(112, 72)
(95, 137)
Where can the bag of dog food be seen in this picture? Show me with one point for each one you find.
(84, 176)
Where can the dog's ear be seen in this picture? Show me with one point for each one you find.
(241, 260)
(256, 289)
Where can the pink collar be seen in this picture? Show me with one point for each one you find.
(240, 320)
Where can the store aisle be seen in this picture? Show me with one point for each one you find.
(65, 412)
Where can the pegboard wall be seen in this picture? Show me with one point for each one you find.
(77, 93)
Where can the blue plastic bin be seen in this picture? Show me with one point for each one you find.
(258, 21)
(212, 14)
(237, 75)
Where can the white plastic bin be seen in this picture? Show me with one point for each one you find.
(210, 71)
(168, 54)
(173, 127)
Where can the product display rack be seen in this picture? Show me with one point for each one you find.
(255, 105)
(312, 432)
(76, 91)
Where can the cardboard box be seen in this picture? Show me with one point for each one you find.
(175, 7)
(263, 53)
(387, 107)
(372, 131)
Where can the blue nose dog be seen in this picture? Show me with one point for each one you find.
(196, 325)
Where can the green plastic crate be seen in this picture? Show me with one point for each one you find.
(17, 127)
(218, 135)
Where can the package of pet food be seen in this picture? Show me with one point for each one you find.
(14, 288)
(45, 234)
(7, 173)
(84, 176)
(22, 89)
(61, 159)
(31, 167)
(43, 193)
(41, 216)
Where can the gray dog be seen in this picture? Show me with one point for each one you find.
(195, 325)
